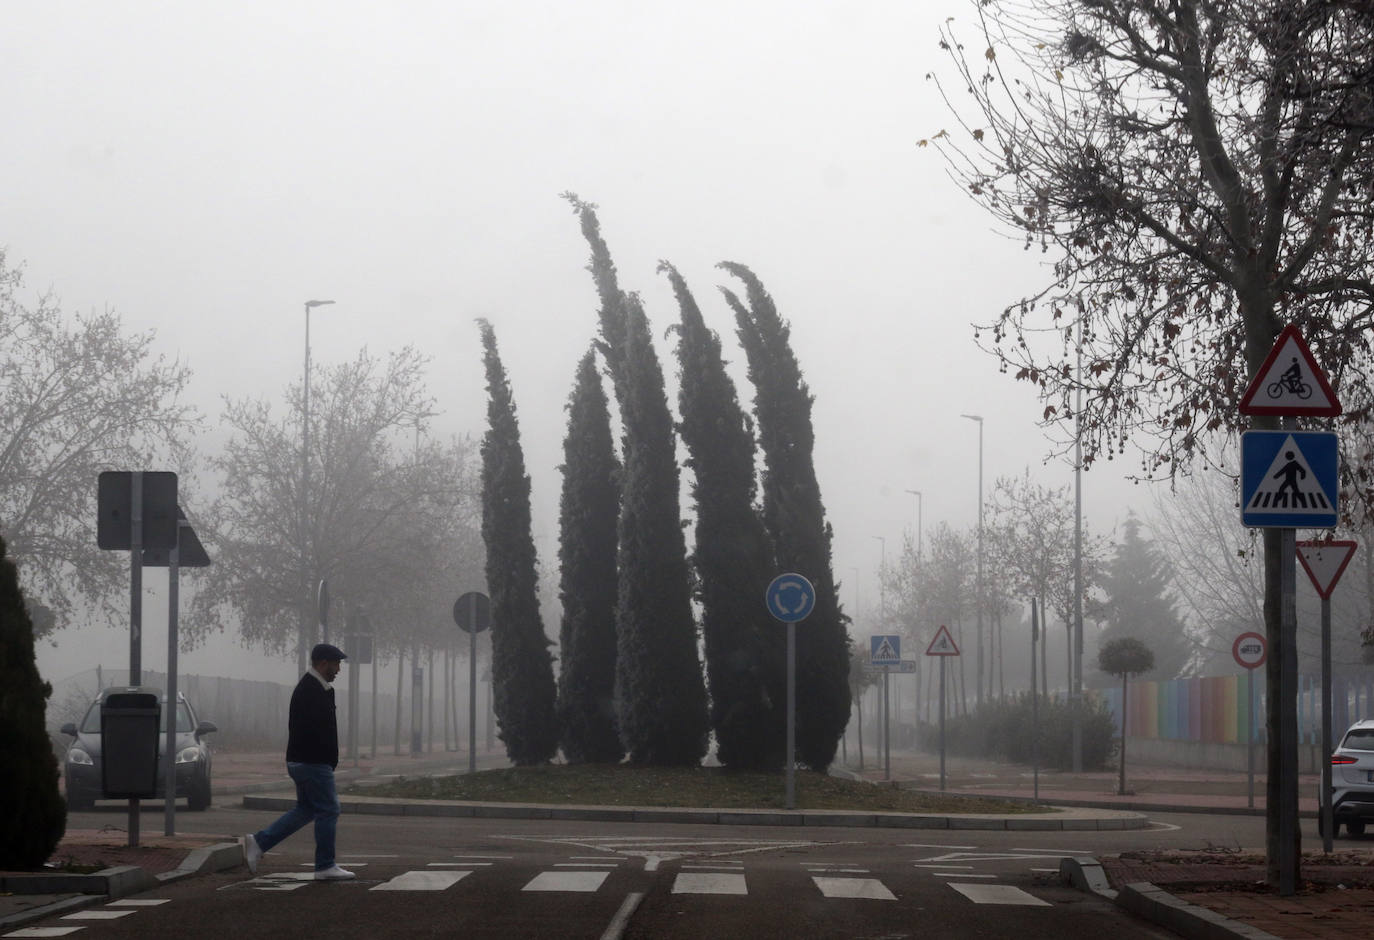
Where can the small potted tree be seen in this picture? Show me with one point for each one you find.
(1125, 656)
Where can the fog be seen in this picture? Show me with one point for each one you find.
(204, 170)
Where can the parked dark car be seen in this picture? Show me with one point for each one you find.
(193, 757)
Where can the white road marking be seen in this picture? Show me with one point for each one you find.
(456, 864)
(567, 881)
(959, 874)
(932, 845)
(1163, 827)
(919, 865)
(422, 881)
(138, 902)
(96, 915)
(1058, 851)
(702, 882)
(612, 862)
(42, 931)
(998, 894)
(868, 888)
(616, 927)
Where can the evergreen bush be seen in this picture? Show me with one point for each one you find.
(35, 815)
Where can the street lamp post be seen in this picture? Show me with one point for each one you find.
(306, 554)
(917, 494)
(882, 612)
(978, 601)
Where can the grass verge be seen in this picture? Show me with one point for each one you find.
(700, 787)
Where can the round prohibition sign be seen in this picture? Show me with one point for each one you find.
(1250, 650)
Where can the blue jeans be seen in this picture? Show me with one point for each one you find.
(315, 800)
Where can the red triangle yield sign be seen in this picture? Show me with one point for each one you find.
(943, 644)
(1325, 562)
(1290, 382)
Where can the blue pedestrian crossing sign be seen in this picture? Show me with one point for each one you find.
(790, 597)
(885, 650)
(1288, 479)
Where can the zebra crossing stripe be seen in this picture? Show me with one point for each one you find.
(998, 894)
(96, 915)
(709, 882)
(864, 888)
(422, 881)
(566, 881)
(42, 931)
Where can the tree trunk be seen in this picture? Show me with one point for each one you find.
(859, 702)
(400, 676)
(1121, 786)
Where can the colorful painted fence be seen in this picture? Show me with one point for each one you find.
(1213, 709)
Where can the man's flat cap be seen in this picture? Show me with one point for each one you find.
(327, 651)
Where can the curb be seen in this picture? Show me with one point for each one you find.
(1151, 903)
(110, 883)
(730, 817)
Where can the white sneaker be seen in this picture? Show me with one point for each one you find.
(251, 853)
(334, 873)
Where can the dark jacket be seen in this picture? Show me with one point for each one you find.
(312, 729)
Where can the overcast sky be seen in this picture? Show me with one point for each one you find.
(205, 169)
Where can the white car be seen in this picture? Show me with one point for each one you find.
(1352, 779)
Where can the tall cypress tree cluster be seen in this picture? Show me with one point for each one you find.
(660, 693)
(795, 516)
(34, 817)
(521, 666)
(745, 647)
(588, 511)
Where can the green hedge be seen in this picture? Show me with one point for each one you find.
(1002, 730)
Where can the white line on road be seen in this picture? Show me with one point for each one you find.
(959, 874)
(138, 902)
(998, 894)
(869, 888)
(567, 881)
(703, 882)
(456, 864)
(934, 845)
(96, 915)
(422, 881)
(919, 865)
(622, 916)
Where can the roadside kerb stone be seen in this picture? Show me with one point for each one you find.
(1158, 906)
(382, 806)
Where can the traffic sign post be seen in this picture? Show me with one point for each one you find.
(1250, 652)
(790, 598)
(885, 650)
(472, 613)
(1325, 562)
(1288, 480)
(943, 646)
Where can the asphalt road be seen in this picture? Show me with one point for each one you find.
(507, 878)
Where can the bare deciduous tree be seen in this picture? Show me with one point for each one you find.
(76, 397)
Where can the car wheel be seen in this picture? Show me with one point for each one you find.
(1355, 827)
(199, 797)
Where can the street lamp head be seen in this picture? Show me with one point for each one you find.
(978, 418)
(317, 303)
(914, 492)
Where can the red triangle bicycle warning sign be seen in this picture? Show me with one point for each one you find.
(1290, 382)
(943, 644)
(1325, 562)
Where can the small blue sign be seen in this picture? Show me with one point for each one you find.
(1288, 479)
(790, 597)
(885, 650)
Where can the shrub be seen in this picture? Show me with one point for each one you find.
(1003, 730)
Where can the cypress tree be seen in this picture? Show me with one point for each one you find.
(35, 816)
(660, 692)
(745, 647)
(795, 517)
(587, 516)
(521, 666)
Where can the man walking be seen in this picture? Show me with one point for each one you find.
(312, 753)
